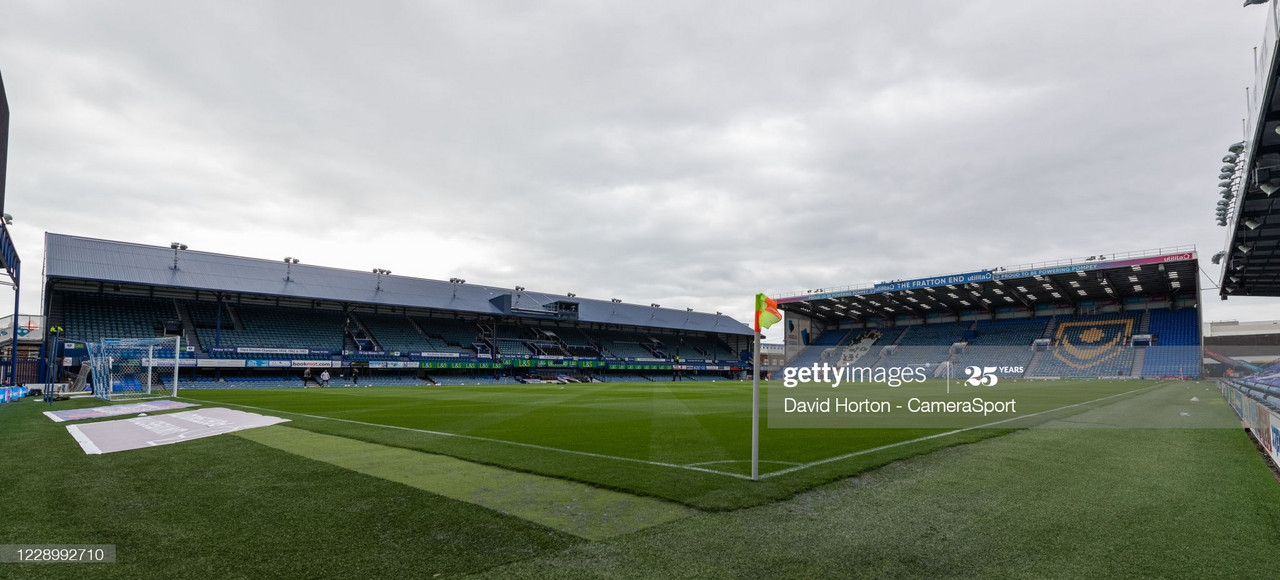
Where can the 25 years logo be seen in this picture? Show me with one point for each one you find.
(986, 376)
(981, 376)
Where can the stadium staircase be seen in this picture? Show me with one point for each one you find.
(360, 334)
(417, 327)
(1144, 324)
(449, 335)
(576, 342)
(57, 315)
(1035, 362)
(1049, 328)
(236, 321)
(397, 333)
(189, 335)
(1139, 359)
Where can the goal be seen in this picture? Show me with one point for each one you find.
(134, 368)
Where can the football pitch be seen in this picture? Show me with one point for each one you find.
(649, 480)
(687, 442)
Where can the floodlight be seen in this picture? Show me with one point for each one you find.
(1252, 224)
(1229, 158)
(1268, 188)
(1243, 248)
(176, 246)
(1228, 168)
(1236, 147)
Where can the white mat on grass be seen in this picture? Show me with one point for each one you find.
(151, 431)
(114, 410)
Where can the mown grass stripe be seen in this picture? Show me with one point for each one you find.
(575, 508)
(490, 440)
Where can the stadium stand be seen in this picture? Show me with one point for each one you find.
(247, 326)
(1091, 345)
(619, 344)
(449, 335)
(1176, 350)
(1000, 344)
(824, 344)
(883, 337)
(90, 316)
(1074, 317)
(925, 345)
(1084, 345)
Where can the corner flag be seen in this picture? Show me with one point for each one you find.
(766, 312)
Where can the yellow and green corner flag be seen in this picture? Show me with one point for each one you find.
(766, 312)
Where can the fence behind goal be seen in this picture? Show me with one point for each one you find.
(134, 368)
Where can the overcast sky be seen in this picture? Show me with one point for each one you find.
(684, 153)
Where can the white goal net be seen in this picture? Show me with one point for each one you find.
(135, 368)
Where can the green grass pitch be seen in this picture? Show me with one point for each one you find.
(984, 502)
(688, 442)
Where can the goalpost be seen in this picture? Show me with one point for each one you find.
(134, 368)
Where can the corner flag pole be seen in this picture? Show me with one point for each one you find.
(766, 315)
(755, 407)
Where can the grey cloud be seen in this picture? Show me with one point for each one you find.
(686, 154)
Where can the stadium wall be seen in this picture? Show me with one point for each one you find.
(1259, 412)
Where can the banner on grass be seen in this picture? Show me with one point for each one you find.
(155, 430)
(114, 410)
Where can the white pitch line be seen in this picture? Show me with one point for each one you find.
(738, 461)
(928, 437)
(473, 437)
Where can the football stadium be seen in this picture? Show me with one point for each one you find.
(170, 411)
